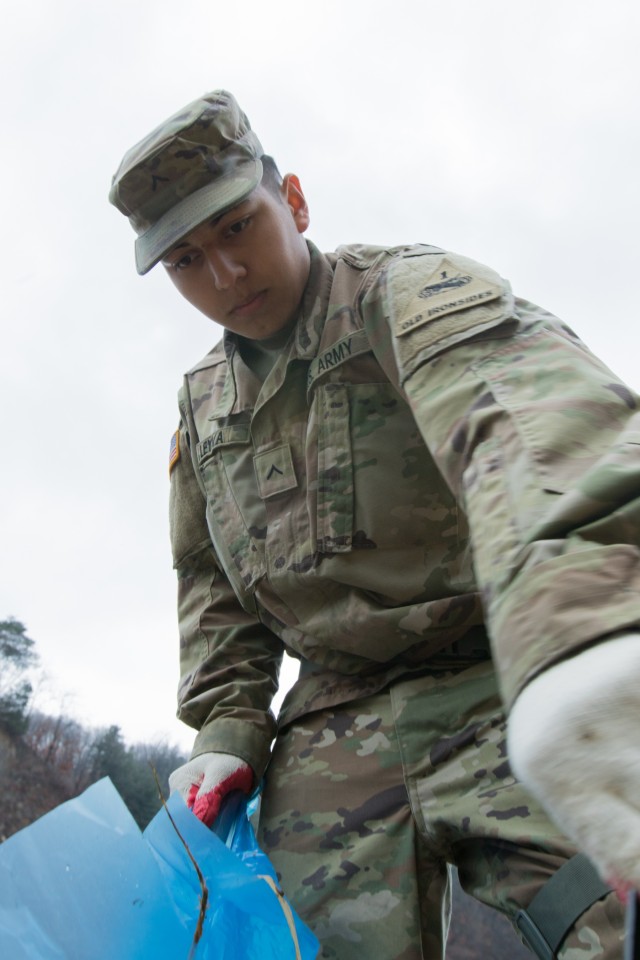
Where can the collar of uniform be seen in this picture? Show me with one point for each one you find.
(303, 344)
(315, 303)
(241, 389)
(305, 338)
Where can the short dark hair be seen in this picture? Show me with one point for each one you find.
(271, 176)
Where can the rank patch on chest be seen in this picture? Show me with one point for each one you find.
(274, 471)
(174, 450)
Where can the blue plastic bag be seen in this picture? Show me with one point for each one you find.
(83, 883)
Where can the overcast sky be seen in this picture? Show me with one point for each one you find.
(506, 130)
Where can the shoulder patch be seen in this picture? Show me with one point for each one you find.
(453, 284)
(436, 302)
(174, 450)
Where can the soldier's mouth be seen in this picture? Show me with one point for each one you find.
(248, 306)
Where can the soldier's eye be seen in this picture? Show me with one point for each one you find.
(183, 262)
(235, 228)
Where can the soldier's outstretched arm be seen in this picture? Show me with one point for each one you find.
(540, 444)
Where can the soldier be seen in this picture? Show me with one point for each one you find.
(426, 490)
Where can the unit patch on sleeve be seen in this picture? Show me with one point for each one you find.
(174, 450)
(456, 285)
(436, 302)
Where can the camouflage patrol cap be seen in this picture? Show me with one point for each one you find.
(200, 162)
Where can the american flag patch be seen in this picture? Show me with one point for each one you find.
(174, 451)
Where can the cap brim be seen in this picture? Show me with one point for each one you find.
(210, 201)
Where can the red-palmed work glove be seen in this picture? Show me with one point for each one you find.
(205, 781)
(574, 741)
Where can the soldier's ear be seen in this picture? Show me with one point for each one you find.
(296, 201)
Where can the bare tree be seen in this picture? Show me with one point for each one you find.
(65, 746)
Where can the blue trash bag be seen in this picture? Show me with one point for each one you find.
(83, 883)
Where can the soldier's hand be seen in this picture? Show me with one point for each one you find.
(574, 741)
(206, 780)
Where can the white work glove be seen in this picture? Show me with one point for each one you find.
(574, 742)
(205, 781)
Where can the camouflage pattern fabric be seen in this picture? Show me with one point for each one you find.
(366, 805)
(431, 468)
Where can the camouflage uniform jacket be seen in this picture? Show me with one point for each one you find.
(429, 455)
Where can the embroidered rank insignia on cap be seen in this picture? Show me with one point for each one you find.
(174, 450)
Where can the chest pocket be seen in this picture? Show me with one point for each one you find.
(335, 503)
(377, 486)
(225, 462)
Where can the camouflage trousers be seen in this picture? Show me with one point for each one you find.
(367, 804)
